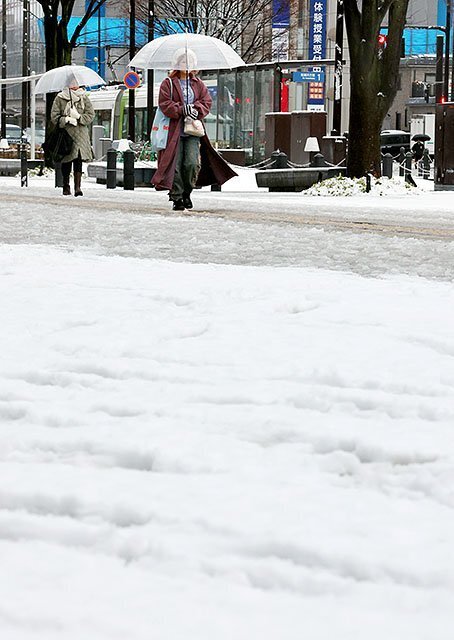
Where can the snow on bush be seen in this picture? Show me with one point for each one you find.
(341, 186)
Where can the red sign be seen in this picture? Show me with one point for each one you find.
(131, 80)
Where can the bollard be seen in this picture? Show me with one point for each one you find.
(401, 161)
(368, 183)
(128, 170)
(23, 165)
(280, 160)
(425, 163)
(388, 162)
(318, 160)
(408, 162)
(58, 176)
(111, 176)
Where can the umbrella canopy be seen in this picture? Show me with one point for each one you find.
(69, 75)
(421, 137)
(187, 51)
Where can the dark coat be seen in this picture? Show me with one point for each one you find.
(214, 169)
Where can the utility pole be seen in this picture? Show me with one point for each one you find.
(3, 87)
(132, 51)
(25, 63)
(338, 55)
(150, 73)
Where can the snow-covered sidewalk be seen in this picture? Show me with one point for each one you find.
(216, 451)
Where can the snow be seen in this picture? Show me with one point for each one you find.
(214, 427)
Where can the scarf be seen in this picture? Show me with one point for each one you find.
(74, 97)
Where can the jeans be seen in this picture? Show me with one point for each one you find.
(187, 167)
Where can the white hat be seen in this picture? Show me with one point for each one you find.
(184, 60)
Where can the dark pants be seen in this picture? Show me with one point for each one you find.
(66, 167)
(187, 167)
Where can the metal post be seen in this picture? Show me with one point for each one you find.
(439, 70)
(388, 165)
(338, 55)
(128, 170)
(32, 118)
(132, 51)
(99, 40)
(368, 183)
(150, 73)
(25, 63)
(23, 163)
(111, 178)
(3, 87)
(447, 48)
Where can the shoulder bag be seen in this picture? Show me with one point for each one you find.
(160, 127)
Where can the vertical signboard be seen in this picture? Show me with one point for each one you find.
(280, 25)
(317, 51)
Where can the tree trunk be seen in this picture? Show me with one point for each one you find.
(373, 78)
(58, 49)
(367, 111)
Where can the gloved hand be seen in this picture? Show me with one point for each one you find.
(70, 120)
(191, 111)
(73, 113)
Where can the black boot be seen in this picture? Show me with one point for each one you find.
(66, 188)
(77, 181)
(178, 205)
(187, 201)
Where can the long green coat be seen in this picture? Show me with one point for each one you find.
(80, 133)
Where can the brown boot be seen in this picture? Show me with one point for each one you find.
(66, 187)
(77, 181)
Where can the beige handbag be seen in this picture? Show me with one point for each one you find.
(193, 127)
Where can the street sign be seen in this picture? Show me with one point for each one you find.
(131, 80)
(308, 76)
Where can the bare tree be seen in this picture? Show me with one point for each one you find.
(246, 25)
(373, 77)
(57, 14)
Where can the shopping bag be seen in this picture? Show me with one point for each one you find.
(58, 144)
(159, 131)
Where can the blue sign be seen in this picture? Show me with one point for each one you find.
(317, 48)
(308, 76)
(281, 14)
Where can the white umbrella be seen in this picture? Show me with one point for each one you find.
(202, 52)
(69, 75)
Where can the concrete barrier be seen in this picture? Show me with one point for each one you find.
(296, 179)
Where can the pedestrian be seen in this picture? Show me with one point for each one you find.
(418, 151)
(187, 161)
(73, 110)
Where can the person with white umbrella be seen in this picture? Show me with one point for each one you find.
(73, 110)
(188, 159)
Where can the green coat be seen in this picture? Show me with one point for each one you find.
(80, 133)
